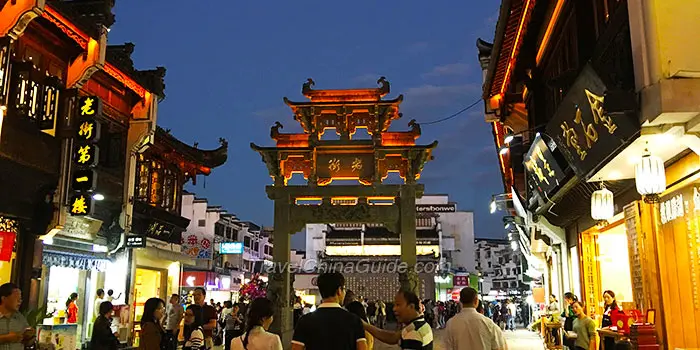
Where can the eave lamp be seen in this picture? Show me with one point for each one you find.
(602, 205)
(650, 177)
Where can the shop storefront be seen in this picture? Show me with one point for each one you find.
(218, 287)
(606, 266)
(65, 272)
(443, 287)
(305, 286)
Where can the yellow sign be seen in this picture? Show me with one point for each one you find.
(86, 130)
(86, 108)
(84, 154)
(80, 205)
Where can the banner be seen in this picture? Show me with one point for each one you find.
(198, 245)
(7, 243)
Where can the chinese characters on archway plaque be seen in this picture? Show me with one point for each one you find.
(85, 154)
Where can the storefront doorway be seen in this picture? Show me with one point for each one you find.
(606, 266)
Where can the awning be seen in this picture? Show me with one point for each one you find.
(75, 260)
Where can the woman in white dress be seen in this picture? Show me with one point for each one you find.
(256, 336)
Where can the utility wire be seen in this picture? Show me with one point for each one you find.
(454, 114)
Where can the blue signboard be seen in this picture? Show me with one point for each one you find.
(231, 248)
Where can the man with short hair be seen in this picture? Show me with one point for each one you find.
(417, 335)
(208, 316)
(470, 329)
(330, 326)
(14, 329)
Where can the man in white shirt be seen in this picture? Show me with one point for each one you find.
(98, 301)
(470, 329)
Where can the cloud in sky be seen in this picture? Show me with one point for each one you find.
(450, 69)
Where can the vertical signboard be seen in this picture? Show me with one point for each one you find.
(86, 155)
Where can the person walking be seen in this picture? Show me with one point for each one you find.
(15, 332)
(416, 335)
(330, 326)
(193, 334)
(381, 313)
(471, 330)
(152, 332)
(102, 336)
(584, 328)
(256, 336)
(174, 314)
(512, 311)
(208, 316)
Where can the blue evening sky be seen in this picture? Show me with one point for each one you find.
(229, 63)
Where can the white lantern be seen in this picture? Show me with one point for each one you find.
(602, 205)
(650, 177)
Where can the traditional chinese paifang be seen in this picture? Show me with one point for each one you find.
(596, 103)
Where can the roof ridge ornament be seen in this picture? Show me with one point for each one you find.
(307, 86)
(384, 86)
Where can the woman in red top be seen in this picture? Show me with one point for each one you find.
(611, 308)
(72, 308)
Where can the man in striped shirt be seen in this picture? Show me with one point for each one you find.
(416, 335)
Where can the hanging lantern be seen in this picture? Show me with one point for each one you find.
(650, 177)
(602, 205)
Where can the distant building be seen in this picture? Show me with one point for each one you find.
(501, 268)
(445, 238)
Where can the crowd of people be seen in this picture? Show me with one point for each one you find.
(341, 321)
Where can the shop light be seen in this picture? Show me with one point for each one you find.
(504, 149)
(650, 177)
(99, 248)
(602, 205)
(514, 245)
(509, 137)
(98, 197)
(48, 241)
(493, 206)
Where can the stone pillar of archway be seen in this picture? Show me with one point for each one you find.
(409, 278)
(280, 280)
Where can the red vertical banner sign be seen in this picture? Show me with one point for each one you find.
(7, 243)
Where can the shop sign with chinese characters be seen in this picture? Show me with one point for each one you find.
(584, 132)
(198, 245)
(543, 167)
(679, 213)
(86, 155)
